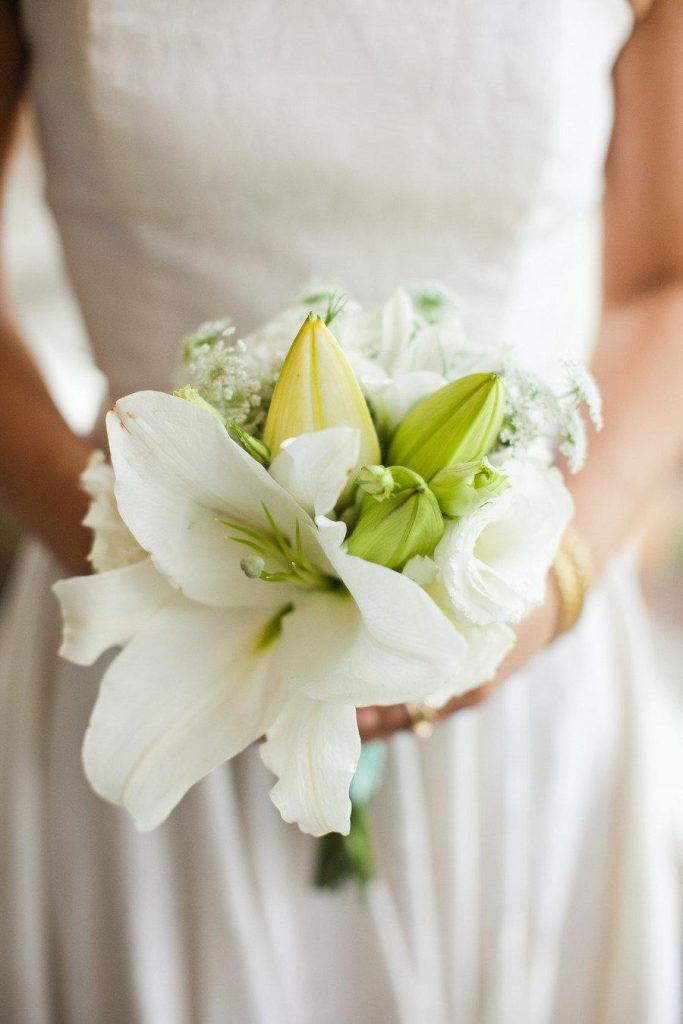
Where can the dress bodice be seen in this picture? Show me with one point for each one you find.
(210, 158)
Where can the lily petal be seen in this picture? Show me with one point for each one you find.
(192, 689)
(106, 609)
(383, 642)
(178, 474)
(398, 324)
(314, 748)
(113, 543)
(392, 399)
(315, 468)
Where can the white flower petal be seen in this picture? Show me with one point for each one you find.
(494, 562)
(113, 543)
(398, 322)
(177, 475)
(189, 692)
(104, 610)
(315, 468)
(422, 570)
(392, 400)
(313, 748)
(424, 352)
(487, 646)
(384, 642)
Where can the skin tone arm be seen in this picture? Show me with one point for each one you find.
(41, 458)
(639, 357)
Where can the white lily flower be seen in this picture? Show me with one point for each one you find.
(319, 740)
(494, 562)
(107, 609)
(226, 658)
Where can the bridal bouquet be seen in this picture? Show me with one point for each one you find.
(305, 527)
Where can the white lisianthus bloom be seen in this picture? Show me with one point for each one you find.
(285, 642)
(494, 562)
(487, 645)
(105, 610)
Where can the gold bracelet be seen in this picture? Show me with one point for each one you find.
(421, 720)
(574, 573)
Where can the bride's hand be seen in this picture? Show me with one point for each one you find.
(533, 634)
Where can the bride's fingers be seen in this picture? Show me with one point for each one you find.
(380, 722)
(376, 723)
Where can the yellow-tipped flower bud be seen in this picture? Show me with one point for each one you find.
(317, 389)
(391, 530)
(465, 486)
(458, 423)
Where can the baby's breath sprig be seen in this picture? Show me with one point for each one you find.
(226, 375)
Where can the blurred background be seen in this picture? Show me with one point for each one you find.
(54, 330)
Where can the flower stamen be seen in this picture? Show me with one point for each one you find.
(291, 563)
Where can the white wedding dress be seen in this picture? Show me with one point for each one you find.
(207, 158)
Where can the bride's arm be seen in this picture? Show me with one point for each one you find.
(40, 458)
(639, 356)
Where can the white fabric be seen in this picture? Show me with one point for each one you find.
(208, 157)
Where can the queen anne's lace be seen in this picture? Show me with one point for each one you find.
(582, 385)
(537, 411)
(227, 374)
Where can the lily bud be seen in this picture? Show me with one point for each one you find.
(377, 481)
(317, 389)
(464, 487)
(393, 530)
(458, 423)
(258, 450)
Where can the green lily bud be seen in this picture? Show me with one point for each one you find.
(377, 481)
(257, 449)
(458, 423)
(317, 389)
(407, 523)
(463, 487)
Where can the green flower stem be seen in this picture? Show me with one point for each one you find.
(344, 858)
